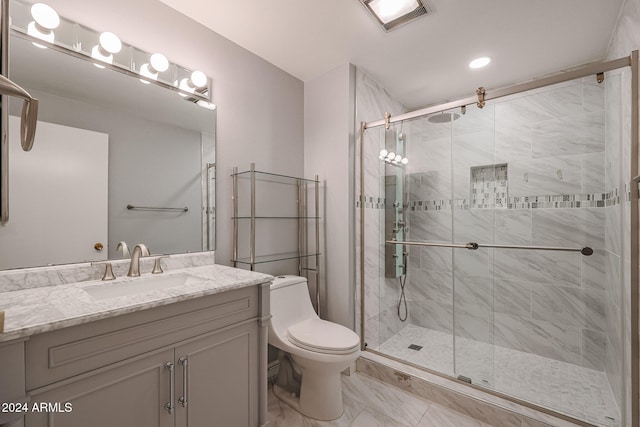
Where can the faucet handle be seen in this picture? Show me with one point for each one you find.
(108, 271)
(157, 267)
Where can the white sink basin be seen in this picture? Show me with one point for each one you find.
(140, 285)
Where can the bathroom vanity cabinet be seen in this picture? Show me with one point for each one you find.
(191, 363)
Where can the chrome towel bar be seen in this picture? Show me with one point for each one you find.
(586, 251)
(150, 208)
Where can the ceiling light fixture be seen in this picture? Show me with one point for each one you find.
(480, 62)
(45, 20)
(393, 13)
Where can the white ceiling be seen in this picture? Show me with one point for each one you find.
(424, 62)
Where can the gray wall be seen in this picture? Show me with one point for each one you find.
(328, 136)
(260, 107)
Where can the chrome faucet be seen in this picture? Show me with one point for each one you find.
(122, 245)
(134, 267)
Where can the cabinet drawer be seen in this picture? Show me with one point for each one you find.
(60, 354)
(11, 377)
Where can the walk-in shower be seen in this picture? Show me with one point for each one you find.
(513, 219)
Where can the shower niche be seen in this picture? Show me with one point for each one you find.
(489, 186)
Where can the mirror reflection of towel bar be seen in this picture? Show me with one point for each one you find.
(150, 208)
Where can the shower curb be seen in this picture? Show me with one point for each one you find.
(473, 402)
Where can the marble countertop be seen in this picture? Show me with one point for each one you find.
(42, 309)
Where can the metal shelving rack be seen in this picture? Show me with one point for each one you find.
(302, 221)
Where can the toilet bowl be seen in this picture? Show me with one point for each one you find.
(320, 350)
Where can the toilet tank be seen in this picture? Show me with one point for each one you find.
(290, 302)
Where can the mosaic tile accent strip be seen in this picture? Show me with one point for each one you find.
(371, 202)
(576, 201)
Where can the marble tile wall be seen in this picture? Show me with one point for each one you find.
(381, 295)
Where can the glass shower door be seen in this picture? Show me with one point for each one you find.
(478, 189)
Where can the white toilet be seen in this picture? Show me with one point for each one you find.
(320, 350)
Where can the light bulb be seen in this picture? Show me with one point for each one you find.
(159, 62)
(198, 79)
(207, 105)
(45, 16)
(383, 152)
(391, 155)
(101, 55)
(405, 161)
(185, 86)
(398, 158)
(34, 30)
(148, 71)
(480, 62)
(110, 42)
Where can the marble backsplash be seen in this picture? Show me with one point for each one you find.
(26, 278)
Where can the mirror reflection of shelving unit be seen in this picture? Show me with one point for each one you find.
(279, 217)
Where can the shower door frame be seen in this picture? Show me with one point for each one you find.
(596, 68)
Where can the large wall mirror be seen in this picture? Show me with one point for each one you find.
(106, 142)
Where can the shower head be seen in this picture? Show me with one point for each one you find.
(443, 117)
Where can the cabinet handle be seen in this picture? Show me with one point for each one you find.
(172, 382)
(185, 373)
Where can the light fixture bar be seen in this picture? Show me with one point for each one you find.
(392, 14)
(80, 41)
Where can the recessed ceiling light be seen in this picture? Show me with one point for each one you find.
(480, 62)
(393, 13)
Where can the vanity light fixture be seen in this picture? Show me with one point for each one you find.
(45, 20)
(36, 22)
(480, 62)
(109, 44)
(158, 63)
(392, 158)
(197, 80)
(393, 13)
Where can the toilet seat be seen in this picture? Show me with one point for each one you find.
(323, 337)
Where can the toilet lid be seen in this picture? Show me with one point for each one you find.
(323, 337)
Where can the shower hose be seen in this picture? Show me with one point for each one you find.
(403, 299)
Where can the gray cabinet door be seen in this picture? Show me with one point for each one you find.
(129, 395)
(221, 379)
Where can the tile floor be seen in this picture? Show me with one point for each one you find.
(372, 403)
(570, 389)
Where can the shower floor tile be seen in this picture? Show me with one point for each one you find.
(570, 389)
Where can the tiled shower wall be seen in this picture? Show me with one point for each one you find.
(381, 294)
(546, 303)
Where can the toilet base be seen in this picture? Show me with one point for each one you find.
(314, 406)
